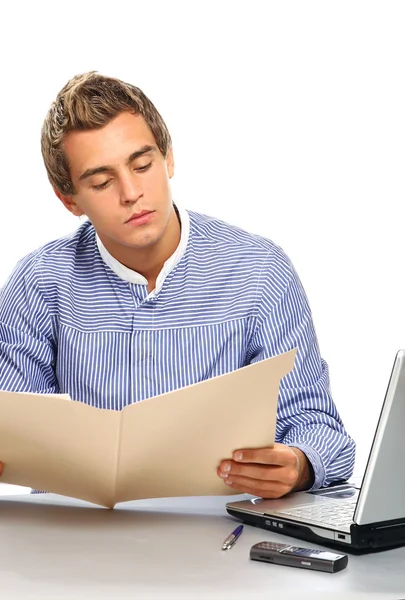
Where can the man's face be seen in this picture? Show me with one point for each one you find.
(121, 181)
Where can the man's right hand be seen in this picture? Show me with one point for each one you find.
(1, 468)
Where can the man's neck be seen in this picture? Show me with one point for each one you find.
(149, 262)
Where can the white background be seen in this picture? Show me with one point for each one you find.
(288, 119)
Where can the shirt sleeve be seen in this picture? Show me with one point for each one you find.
(27, 333)
(307, 417)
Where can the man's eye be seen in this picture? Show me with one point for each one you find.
(101, 186)
(144, 168)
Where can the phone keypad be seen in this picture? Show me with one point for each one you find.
(272, 546)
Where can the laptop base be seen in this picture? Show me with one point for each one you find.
(361, 540)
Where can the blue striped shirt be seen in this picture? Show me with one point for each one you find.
(73, 320)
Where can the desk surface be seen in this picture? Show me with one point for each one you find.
(56, 547)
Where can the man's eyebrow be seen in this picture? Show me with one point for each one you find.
(105, 168)
(143, 150)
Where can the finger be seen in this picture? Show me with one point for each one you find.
(287, 475)
(278, 455)
(261, 470)
(1, 469)
(263, 489)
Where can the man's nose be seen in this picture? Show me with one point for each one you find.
(130, 189)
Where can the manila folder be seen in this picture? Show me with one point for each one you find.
(168, 445)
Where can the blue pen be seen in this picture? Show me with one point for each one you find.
(231, 539)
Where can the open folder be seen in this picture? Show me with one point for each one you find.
(168, 445)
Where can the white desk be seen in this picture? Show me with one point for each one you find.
(54, 547)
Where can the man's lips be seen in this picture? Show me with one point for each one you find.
(138, 215)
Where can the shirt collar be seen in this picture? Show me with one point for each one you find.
(133, 276)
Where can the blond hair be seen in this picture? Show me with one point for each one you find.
(90, 101)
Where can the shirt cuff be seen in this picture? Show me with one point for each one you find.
(316, 463)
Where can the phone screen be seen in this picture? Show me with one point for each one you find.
(310, 553)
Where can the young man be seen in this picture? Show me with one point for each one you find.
(145, 297)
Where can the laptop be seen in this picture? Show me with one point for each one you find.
(358, 519)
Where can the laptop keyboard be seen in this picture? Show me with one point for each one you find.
(330, 513)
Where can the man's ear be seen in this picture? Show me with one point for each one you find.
(69, 203)
(170, 163)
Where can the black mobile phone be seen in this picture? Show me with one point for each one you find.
(294, 556)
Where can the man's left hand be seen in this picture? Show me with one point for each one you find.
(267, 472)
